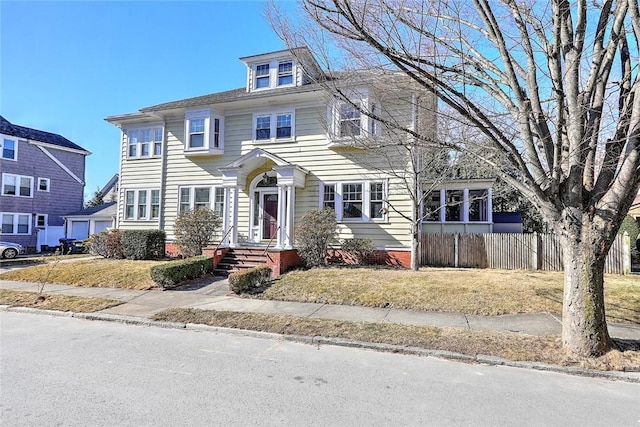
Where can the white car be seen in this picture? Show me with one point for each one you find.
(10, 250)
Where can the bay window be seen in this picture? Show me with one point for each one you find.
(203, 133)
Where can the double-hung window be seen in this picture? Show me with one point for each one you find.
(285, 73)
(9, 149)
(349, 120)
(144, 142)
(274, 127)
(16, 223)
(263, 128)
(262, 76)
(142, 204)
(44, 184)
(355, 201)
(17, 185)
(192, 198)
(203, 133)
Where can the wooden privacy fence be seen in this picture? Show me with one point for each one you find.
(510, 251)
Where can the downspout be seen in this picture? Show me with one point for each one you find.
(163, 176)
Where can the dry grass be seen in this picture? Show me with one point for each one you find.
(55, 302)
(518, 347)
(90, 273)
(470, 291)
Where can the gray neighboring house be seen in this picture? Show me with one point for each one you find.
(80, 225)
(42, 178)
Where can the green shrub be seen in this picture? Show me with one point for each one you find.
(106, 244)
(142, 244)
(250, 280)
(195, 229)
(170, 274)
(359, 251)
(316, 231)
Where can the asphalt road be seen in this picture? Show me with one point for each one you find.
(74, 372)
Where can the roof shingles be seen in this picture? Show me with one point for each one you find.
(8, 128)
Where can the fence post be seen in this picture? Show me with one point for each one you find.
(626, 253)
(456, 248)
(534, 250)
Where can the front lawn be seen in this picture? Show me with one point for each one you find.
(91, 273)
(470, 291)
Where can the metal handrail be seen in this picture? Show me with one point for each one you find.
(271, 241)
(223, 237)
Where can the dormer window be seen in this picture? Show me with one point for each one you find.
(262, 76)
(285, 73)
(203, 133)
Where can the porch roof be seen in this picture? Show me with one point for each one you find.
(235, 173)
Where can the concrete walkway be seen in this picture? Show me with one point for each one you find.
(213, 294)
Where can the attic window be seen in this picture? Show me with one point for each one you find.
(262, 76)
(285, 73)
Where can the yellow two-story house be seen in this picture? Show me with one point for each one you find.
(263, 155)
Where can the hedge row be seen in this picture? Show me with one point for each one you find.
(130, 244)
(170, 274)
(250, 280)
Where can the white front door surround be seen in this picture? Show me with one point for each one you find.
(262, 203)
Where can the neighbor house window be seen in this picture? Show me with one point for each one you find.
(9, 150)
(17, 185)
(41, 220)
(274, 127)
(204, 132)
(43, 184)
(144, 142)
(285, 73)
(355, 201)
(262, 76)
(139, 203)
(16, 223)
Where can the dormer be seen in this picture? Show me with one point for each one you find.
(283, 68)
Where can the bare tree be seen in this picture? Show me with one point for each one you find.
(551, 85)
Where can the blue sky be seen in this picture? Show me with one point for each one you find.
(65, 66)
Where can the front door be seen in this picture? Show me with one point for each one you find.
(269, 215)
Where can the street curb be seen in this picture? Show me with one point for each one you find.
(631, 377)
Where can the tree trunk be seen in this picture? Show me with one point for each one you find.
(584, 326)
(415, 249)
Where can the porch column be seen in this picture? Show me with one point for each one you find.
(233, 236)
(291, 201)
(490, 206)
(465, 205)
(282, 200)
(225, 217)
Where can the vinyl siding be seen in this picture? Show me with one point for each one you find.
(310, 150)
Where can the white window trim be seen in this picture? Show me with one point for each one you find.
(46, 220)
(18, 177)
(464, 206)
(152, 128)
(192, 192)
(273, 74)
(209, 132)
(366, 102)
(274, 126)
(16, 215)
(48, 181)
(15, 150)
(136, 197)
(366, 200)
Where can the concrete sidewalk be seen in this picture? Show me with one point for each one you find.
(213, 294)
